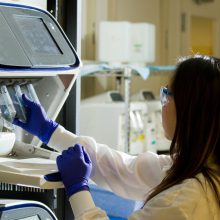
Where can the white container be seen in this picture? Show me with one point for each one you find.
(142, 47)
(113, 40)
(124, 42)
(7, 140)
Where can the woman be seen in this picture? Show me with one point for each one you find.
(183, 186)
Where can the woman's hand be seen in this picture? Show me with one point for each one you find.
(75, 168)
(37, 122)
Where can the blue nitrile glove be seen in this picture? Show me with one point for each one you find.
(75, 168)
(37, 122)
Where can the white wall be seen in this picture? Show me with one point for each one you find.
(172, 20)
(114, 10)
(206, 10)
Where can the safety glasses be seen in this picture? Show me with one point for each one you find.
(164, 93)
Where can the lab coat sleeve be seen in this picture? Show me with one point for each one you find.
(159, 212)
(129, 176)
(184, 201)
(84, 208)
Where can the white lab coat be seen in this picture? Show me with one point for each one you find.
(133, 177)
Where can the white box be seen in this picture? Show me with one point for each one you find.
(124, 42)
(142, 47)
(113, 41)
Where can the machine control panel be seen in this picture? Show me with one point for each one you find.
(32, 38)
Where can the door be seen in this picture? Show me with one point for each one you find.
(202, 35)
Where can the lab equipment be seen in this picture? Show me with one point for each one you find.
(16, 95)
(28, 150)
(103, 117)
(154, 133)
(31, 93)
(7, 140)
(39, 4)
(121, 41)
(24, 210)
(36, 59)
(7, 108)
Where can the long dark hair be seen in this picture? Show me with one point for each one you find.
(196, 92)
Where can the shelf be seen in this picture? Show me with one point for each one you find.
(103, 69)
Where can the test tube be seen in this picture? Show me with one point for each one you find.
(6, 104)
(32, 93)
(20, 110)
(1, 123)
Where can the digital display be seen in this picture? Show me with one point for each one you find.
(148, 95)
(30, 218)
(116, 97)
(37, 35)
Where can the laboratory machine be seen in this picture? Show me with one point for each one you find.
(24, 210)
(103, 117)
(154, 133)
(36, 59)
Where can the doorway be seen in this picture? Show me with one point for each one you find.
(202, 35)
